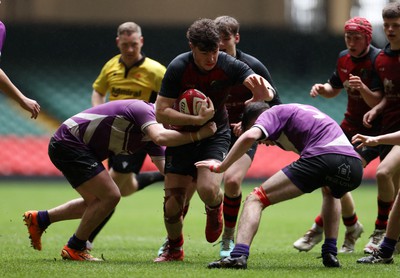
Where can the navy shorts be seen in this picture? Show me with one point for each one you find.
(131, 163)
(250, 152)
(180, 160)
(77, 165)
(340, 173)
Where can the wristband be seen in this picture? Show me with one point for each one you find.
(191, 137)
(215, 169)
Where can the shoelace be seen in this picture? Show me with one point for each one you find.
(225, 244)
(374, 237)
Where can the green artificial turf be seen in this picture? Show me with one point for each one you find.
(130, 241)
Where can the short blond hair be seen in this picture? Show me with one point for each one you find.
(129, 28)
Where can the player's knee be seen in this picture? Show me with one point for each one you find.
(326, 190)
(174, 203)
(112, 199)
(211, 195)
(259, 195)
(115, 200)
(383, 173)
(128, 189)
(232, 183)
(126, 183)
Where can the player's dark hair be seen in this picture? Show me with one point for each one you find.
(251, 113)
(227, 25)
(204, 35)
(391, 10)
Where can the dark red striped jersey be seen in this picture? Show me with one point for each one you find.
(356, 106)
(239, 93)
(387, 66)
(182, 74)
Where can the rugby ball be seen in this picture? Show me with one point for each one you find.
(189, 102)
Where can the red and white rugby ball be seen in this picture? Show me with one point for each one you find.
(190, 101)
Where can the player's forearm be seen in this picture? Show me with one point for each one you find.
(371, 98)
(237, 151)
(97, 98)
(172, 138)
(7, 87)
(170, 116)
(389, 139)
(329, 92)
(380, 106)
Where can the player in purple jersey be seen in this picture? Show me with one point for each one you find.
(10, 89)
(354, 73)
(214, 73)
(78, 148)
(233, 177)
(128, 75)
(387, 65)
(327, 160)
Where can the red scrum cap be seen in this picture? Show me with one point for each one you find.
(359, 24)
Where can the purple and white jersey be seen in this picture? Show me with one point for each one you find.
(304, 130)
(2, 35)
(115, 127)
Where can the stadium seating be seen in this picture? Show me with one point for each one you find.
(61, 93)
(13, 122)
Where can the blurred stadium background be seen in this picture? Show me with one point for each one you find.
(55, 49)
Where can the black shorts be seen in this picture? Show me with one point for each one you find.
(180, 160)
(384, 151)
(250, 152)
(77, 165)
(340, 173)
(368, 153)
(131, 163)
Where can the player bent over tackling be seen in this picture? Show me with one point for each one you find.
(354, 73)
(327, 160)
(78, 148)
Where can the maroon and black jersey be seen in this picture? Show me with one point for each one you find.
(182, 74)
(239, 93)
(356, 106)
(387, 65)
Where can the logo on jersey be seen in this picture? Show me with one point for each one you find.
(115, 92)
(388, 84)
